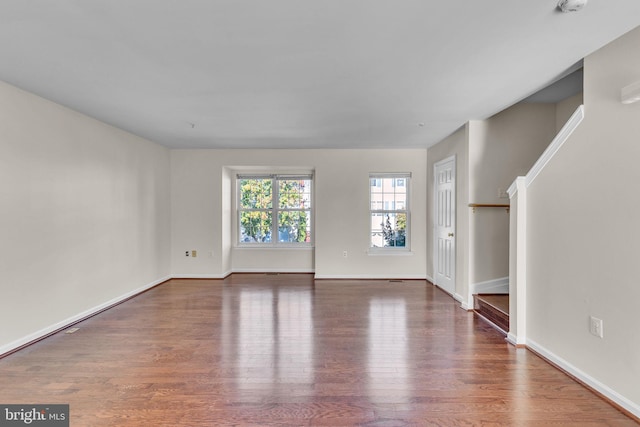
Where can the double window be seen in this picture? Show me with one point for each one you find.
(389, 210)
(275, 209)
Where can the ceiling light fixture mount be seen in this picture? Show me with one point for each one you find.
(571, 5)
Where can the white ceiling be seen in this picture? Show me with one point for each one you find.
(296, 73)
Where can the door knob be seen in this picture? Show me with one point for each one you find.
(450, 234)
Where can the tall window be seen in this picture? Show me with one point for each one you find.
(389, 210)
(275, 209)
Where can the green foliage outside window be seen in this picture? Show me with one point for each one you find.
(256, 223)
(395, 236)
(292, 210)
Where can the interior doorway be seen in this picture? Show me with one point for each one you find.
(445, 224)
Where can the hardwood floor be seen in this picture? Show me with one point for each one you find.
(284, 350)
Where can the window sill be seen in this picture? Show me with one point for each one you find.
(275, 247)
(390, 252)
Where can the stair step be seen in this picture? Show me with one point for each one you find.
(494, 308)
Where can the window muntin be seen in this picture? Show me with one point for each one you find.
(275, 209)
(389, 211)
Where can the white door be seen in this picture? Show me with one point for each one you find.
(445, 224)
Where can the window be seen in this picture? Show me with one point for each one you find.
(389, 210)
(274, 209)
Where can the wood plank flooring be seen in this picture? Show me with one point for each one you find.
(283, 350)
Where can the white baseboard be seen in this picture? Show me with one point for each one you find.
(301, 271)
(430, 279)
(200, 276)
(270, 270)
(495, 286)
(601, 388)
(367, 277)
(78, 317)
(463, 304)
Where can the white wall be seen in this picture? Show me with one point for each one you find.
(227, 223)
(200, 220)
(342, 214)
(583, 236)
(501, 148)
(565, 108)
(196, 214)
(203, 215)
(84, 211)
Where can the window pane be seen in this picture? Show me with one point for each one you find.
(255, 193)
(377, 239)
(388, 230)
(294, 193)
(388, 185)
(294, 226)
(260, 215)
(389, 209)
(376, 202)
(255, 227)
(392, 196)
(375, 184)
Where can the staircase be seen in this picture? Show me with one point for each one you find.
(494, 308)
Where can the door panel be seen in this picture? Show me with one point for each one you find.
(445, 253)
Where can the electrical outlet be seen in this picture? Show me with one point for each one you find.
(344, 254)
(194, 253)
(186, 253)
(596, 326)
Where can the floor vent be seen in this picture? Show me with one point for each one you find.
(396, 281)
(272, 274)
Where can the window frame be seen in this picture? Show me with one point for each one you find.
(378, 177)
(275, 210)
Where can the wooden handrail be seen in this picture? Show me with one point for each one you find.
(484, 205)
